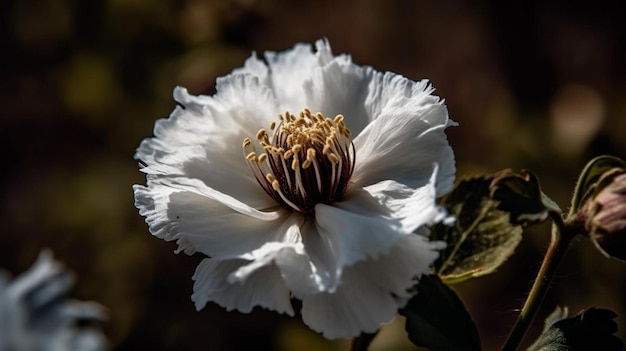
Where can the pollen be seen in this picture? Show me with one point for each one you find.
(306, 159)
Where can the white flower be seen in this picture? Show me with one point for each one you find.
(325, 199)
(36, 316)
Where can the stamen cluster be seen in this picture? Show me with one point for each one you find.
(308, 159)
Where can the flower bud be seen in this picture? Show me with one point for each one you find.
(605, 214)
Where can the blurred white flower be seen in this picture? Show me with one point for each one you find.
(35, 314)
(340, 167)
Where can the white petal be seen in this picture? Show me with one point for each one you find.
(257, 68)
(305, 271)
(286, 72)
(270, 250)
(319, 248)
(36, 315)
(301, 275)
(44, 269)
(244, 105)
(265, 288)
(358, 227)
(205, 220)
(224, 173)
(399, 125)
(367, 224)
(371, 291)
(202, 138)
(412, 207)
(289, 256)
(187, 124)
(395, 271)
(290, 69)
(405, 137)
(341, 87)
(354, 308)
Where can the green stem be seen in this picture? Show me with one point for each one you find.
(561, 238)
(362, 342)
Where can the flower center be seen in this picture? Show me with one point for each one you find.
(307, 160)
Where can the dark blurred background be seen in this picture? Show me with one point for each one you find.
(533, 85)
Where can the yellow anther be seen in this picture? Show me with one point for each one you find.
(275, 150)
(276, 185)
(332, 157)
(326, 149)
(261, 134)
(310, 156)
(299, 141)
(272, 180)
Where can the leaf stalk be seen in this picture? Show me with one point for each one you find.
(561, 237)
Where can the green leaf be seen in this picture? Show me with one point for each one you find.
(592, 329)
(482, 237)
(521, 196)
(437, 319)
(587, 181)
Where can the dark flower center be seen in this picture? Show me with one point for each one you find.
(306, 160)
